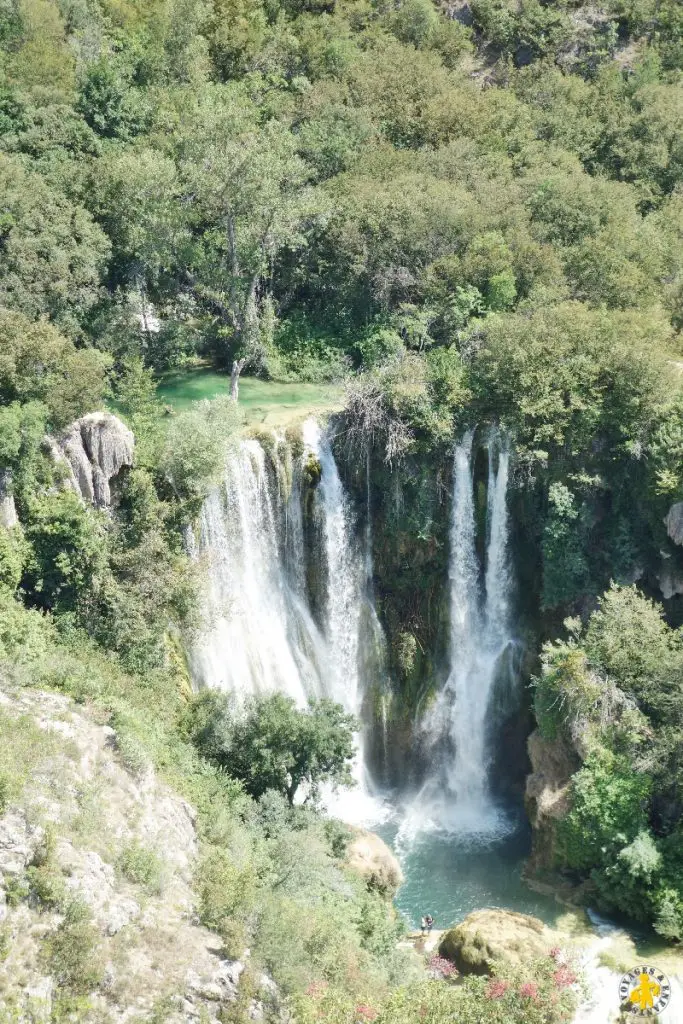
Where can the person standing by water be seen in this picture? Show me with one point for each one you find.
(423, 926)
(429, 921)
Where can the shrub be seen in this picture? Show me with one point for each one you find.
(13, 554)
(72, 954)
(227, 896)
(142, 866)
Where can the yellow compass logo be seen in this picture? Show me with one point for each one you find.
(644, 991)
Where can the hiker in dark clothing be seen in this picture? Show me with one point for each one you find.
(430, 923)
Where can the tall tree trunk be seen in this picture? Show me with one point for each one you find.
(237, 367)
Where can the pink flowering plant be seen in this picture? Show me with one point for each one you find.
(440, 967)
(543, 991)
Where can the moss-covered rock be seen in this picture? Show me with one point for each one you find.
(489, 935)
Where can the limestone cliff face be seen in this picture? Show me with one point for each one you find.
(93, 450)
(85, 826)
(674, 522)
(547, 794)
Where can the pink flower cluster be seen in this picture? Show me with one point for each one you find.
(366, 1012)
(529, 990)
(443, 966)
(497, 988)
(564, 977)
(316, 988)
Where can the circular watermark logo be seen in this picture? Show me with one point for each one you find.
(644, 991)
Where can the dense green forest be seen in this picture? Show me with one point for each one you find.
(467, 212)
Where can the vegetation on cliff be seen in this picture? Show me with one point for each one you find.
(613, 691)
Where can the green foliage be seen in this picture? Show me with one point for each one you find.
(194, 446)
(608, 811)
(66, 542)
(52, 253)
(38, 364)
(72, 953)
(273, 745)
(13, 553)
(628, 637)
(565, 569)
(227, 897)
(142, 866)
(616, 685)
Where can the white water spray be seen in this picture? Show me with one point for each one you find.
(344, 575)
(348, 607)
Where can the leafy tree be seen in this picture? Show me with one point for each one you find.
(566, 574)
(51, 252)
(67, 551)
(106, 99)
(273, 744)
(38, 364)
(628, 637)
(13, 553)
(250, 201)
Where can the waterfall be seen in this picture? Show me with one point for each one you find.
(263, 631)
(344, 574)
(261, 636)
(479, 636)
(457, 727)
(354, 634)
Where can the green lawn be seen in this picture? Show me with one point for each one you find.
(271, 403)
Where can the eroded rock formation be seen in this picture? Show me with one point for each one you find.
(80, 813)
(547, 794)
(674, 522)
(93, 450)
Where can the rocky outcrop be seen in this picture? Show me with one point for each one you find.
(370, 857)
(93, 450)
(674, 522)
(82, 805)
(669, 577)
(494, 935)
(8, 512)
(547, 793)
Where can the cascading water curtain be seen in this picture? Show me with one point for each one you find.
(261, 635)
(458, 790)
